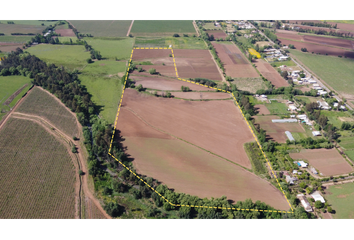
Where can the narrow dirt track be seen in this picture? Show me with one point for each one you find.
(130, 28)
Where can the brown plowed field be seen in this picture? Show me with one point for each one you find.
(146, 124)
(270, 73)
(65, 32)
(142, 54)
(163, 70)
(276, 131)
(217, 34)
(166, 84)
(8, 47)
(261, 109)
(235, 63)
(196, 122)
(205, 95)
(327, 161)
(316, 48)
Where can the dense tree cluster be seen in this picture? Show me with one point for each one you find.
(319, 24)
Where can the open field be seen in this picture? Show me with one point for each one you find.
(8, 47)
(104, 83)
(70, 56)
(276, 131)
(217, 34)
(288, 63)
(341, 198)
(162, 28)
(37, 174)
(102, 28)
(30, 22)
(211, 26)
(277, 108)
(235, 63)
(327, 161)
(41, 103)
(262, 109)
(336, 72)
(350, 154)
(318, 48)
(201, 95)
(165, 84)
(65, 32)
(14, 39)
(150, 125)
(347, 142)
(7, 29)
(112, 48)
(192, 117)
(177, 43)
(337, 118)
(270, 73)
(249, 84)
(12, 89)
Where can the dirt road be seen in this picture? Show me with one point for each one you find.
(130, 28)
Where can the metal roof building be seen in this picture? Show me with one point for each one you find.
(290, 136)
(283, 120)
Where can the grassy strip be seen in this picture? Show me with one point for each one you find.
(256, 157)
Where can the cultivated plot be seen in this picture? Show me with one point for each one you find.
(270, 73)
(327, 161)
(162, 28)
(102, 28)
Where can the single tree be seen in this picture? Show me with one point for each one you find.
(152, 71)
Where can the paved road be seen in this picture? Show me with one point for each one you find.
(306, 71)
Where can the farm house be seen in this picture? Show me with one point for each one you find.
(283, 120)
(290, 136)
(318, 197)
(302, 164)
(316, 133)
(305, 203)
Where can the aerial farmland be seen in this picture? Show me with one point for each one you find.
(189, 119)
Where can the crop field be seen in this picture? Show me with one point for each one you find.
(162, 28)
(8, 47)
(15, 39)
(30, 22)
(341, 198)
(235, 63)
(261, 109)
(103, 82)
(276, 131)
(37, 174)
(201, 95)
(350, 154)
(102, 28)
(164, 139)
(217, 34)
(42, 103)
(327, 161)
(177, 43)
(277, 108)
(65, 32)
(70, 56)
(211, 26)
(270, 73)
(12, 89)
(7, 29)
(249, 84)
(111, 48)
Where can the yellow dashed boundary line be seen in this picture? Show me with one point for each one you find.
(178, 205)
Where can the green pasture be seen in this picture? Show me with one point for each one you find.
(336, 72)
(102, 28)
(341, 197)
(120, 48)
(102, 81)
(350, 154)
(277, 108)
(69, 56)
(162, 27)
(333, 117)
(176, 42)
(9, 85)
(288, 63)
(7, 29)
(15, 39)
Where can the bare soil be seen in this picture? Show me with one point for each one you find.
(201, 95)
(270, 73)
(217, 34)
(65, 32)
(261, 109)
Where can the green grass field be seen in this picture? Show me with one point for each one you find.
(70, 56)
(277, 108)
(308, 99)
(288, 63)
(333, 117)
(20, 28)
(9, 85)
(347, 142)
(106, 90)
(210, 26)
(336, 72)
(162, 28)
(341, 197)
(177, 43)
(112, 48)
(350, 154)
(30, 22)
(15, 39)
(102, 28)
(67, 39)
(249, 84)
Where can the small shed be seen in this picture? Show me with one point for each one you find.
(286, 120)
(316, 133)
(318, 197)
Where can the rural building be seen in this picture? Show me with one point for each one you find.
(290, 180)
(283, 120)
(320, 92)
(283, 58)
(305, 203)
(318, 197)
(311, 81)
(302, 164)
(323, 105)
(263, 96)
(317, 88)
(313, 170)
(335, 104)
(292, 116)
(343, 107)
(295, 172)
(290, 136)
(316, 133)
(302, 116)
(292, 108)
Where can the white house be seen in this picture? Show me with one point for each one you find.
(302, 164)
(316, 133)
(311, 81)
(343, 107)
(292, 108)
(335, 104)
(305, 203)
(318, 197)
(282, 58)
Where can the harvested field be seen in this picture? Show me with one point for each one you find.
(162, 27)
(160, 83)
(146, 123)
(41, 103)
(217, 34)
(37, 173)
(102, 28)
(270, 73)
(191, 121)
(327, 161)
(317, 48)
(65, 32)
(7, 29)
(235, 63)
(276, 131)
(250, 84)
(8, 47)
(143, 54)
(201, 95)
(261, 109)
